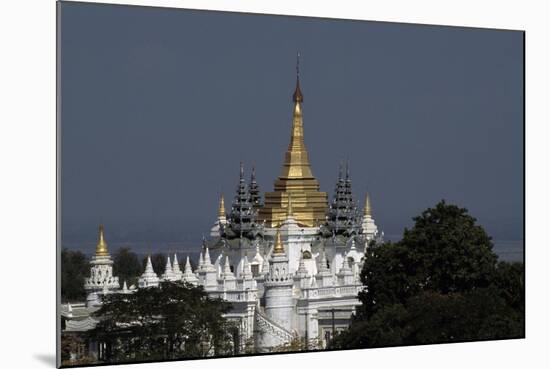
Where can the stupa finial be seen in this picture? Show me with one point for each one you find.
(101, 248)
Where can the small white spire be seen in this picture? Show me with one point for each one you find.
(168, 270)
(176, 267)
(207, 261)
(188, 268)
(188, 274)
(227, 266)
(168, 267)
(247, 271)
(201, 260)
(124, 287)
(149, 267)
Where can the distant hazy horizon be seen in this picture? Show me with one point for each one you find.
(159, 106)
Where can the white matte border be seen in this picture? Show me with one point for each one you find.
(27, 209)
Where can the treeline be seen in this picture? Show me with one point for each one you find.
(174, 321)
(441, 283)
(127, 265)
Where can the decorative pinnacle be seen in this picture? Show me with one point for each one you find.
(297, 97)
(226, 266)
(241, 173)
(368, 210)
(221, 209)
(188, 265)
(101, 248)
(149, 266)
(279, 249)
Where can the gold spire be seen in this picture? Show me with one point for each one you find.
(221, 209)
(279, 249)
(101, 248)
(296, 177)
(296, 163)
(368, 210)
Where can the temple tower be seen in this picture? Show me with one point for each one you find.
(343, 216)
(242, 217)
(278, 287)
(309, 203)
(101, 278)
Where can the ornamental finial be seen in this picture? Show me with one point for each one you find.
(221, 208)
(297, 97)
(279, 249)
(101, 248)
(368, 210)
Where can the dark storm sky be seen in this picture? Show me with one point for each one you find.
(159, 106)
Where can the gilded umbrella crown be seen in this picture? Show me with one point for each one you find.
(101, 248)
(279, 249)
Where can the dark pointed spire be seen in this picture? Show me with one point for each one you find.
(254, 189)
(297, 97)
(343, 215)
(242, 217)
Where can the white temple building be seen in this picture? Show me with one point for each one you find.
(289, 262)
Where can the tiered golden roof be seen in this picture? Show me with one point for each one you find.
(101, 248)
(309, 204)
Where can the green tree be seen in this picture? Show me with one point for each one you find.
(440, 283)
(74, 268)
(126, 266)
(176, 320)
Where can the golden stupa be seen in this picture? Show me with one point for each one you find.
(309, 205)
(101, 247)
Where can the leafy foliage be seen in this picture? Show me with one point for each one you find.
(71, 346)
(176, 320)
(440, 283)
(74, 265)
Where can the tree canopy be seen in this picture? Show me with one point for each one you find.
(126, 266)
(74, 268)
(440, 283)
(176, 320)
